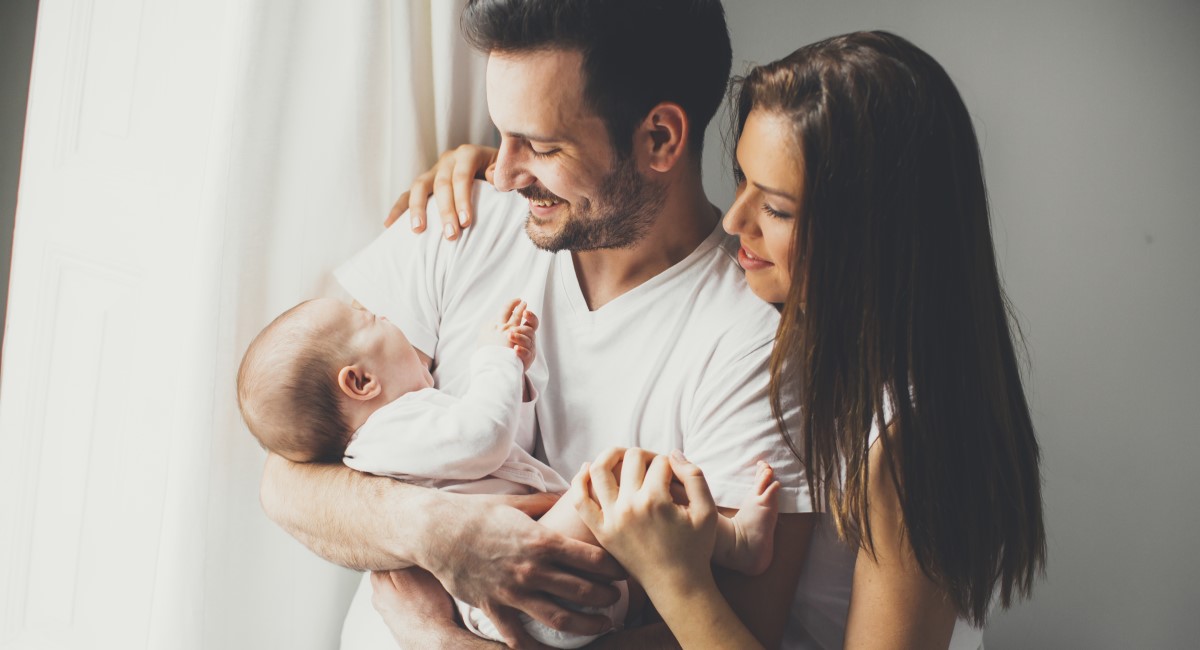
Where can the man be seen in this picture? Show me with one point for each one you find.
(651, 338)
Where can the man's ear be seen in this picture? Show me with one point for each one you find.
(663, 135)
(358, 384)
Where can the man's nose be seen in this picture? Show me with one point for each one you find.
(510, 172)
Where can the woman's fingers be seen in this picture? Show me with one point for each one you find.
(469, 161)
(633, 470)
(456, 174)
(609, 458)
(604, 484)
(443, 195)
(418, 200)
(398, 209)
(659, 475)
(581, 497)
(450, 182)
(700, 500)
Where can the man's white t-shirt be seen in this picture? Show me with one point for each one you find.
(679, 362)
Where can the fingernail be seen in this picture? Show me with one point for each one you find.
(449, 231)
(677, 455)
(462, 217)
(415, 222)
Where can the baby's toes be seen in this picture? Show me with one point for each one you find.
(763, 478)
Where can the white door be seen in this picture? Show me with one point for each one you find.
(115, 476)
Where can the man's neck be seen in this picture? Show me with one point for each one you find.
(686, 219)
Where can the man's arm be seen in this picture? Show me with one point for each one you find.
(347, 517)
(419, 612)
(482, 550)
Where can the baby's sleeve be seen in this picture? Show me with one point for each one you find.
(433, 435)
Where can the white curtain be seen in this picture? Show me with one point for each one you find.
(191, 170)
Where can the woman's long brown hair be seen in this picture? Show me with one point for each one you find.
(896, 319)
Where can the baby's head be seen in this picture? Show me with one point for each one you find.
(315, 374)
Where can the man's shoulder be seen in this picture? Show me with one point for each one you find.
(497, 214)
(725, 300)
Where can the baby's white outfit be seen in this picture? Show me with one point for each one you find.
(467, 444)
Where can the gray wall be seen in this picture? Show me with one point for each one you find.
(1087, 114)
(17, 19)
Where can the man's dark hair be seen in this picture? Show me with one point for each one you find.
(636, 53)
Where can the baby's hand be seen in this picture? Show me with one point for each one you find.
(521, 327)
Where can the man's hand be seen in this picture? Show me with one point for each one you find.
(499, 560)
(450, 183)
(414, 606)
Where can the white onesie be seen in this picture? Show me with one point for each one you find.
(467, 444)
(460, 444)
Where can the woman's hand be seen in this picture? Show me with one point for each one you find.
(450, 183)
(662, 531)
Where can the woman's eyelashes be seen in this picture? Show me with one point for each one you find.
(766, 207)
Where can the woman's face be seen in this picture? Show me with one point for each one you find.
(767, 206)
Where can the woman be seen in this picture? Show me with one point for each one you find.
(861, 211)
(862, 215)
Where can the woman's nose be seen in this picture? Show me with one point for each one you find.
(737, 220)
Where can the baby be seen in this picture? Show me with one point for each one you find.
(327, 382)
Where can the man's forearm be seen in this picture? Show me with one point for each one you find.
(356, 520)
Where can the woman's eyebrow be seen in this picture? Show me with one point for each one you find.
(771, 190)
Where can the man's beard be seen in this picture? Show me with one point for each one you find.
(630, 205)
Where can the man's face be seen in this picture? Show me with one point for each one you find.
(555, 151)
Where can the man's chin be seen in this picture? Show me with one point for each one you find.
(541, 234)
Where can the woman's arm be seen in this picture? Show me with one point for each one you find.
(666, 541)
(893, 604)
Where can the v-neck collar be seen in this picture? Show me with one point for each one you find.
(614, 308)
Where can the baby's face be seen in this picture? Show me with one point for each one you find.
(383, 349)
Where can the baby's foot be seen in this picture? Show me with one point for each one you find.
(754, 525)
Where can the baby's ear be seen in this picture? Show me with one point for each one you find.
(358, 384)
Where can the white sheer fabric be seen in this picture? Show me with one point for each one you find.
(191, 169)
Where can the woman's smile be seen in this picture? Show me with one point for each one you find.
(751, 261)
